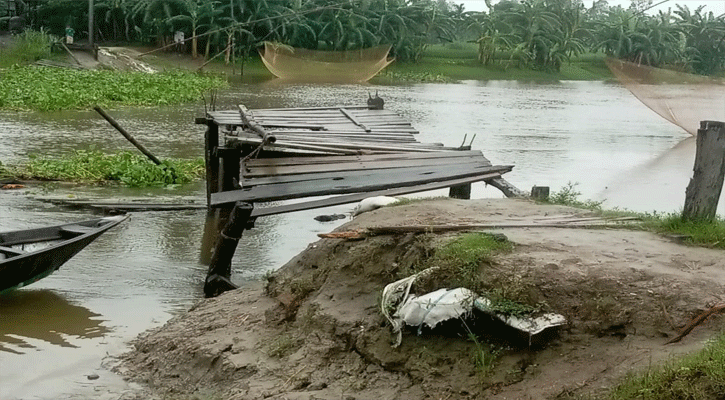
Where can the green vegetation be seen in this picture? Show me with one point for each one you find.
(537, 35)
(569, 196)
(484, 355)
(699, 376)
(91, 166)
(47, 89)
(462, 263)
(700, 233)
(283, 345)
(28, 47)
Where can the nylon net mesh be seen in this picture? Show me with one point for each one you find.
(315, 65)
(681, 98)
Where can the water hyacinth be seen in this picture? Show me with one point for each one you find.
(92, 166)
(50, 89)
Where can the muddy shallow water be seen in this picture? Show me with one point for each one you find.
(58, 331)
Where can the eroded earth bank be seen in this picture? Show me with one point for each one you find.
(314, 329)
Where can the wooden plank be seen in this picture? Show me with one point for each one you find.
(354, 198)
(314, 108)
(340, 172)
(300, 146)
(339, 148)
(412, 147)
(259, 172)
(296, 113)
(349, 139)
(278, 162)
(296, 190)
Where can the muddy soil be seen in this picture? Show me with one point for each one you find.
(315, 330)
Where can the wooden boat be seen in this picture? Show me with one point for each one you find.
(29, 255)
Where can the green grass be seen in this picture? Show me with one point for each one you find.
(462, 263)
(698, 376)
(570, 196)
(699, 233)
(48, 89)
(91, 166)
(459, 61)
(28, 47)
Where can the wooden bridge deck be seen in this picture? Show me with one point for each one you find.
(347, 152)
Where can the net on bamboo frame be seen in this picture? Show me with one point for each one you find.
(681, 98)
(292, 63)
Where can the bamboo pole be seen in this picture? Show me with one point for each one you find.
(127, 135)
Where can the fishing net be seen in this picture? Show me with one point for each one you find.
(291, 63)
(681, 98)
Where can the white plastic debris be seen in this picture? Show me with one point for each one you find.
(402, 308)
(373, 203)
(435, 307)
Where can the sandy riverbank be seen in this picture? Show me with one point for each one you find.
(315, 330)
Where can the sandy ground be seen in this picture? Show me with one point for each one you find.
(315, 330)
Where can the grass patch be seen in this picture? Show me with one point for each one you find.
(283, 345)
(698, 376)
(700, 233)
(49, 89)
(569, 196)
(461, 263)
(92, 166)
(28, 47)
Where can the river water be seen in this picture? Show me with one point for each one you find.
(57, 332)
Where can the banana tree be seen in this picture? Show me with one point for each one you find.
(704, 39)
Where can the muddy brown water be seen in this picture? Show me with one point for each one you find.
(57, 333)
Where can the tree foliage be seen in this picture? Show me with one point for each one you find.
(537, 34)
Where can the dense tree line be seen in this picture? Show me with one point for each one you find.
(538, 34)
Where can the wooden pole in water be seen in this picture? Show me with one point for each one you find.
(211, 143)
(220, 269)
(703, 192)
(127, 135)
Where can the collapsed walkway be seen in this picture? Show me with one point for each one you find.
(346, 153)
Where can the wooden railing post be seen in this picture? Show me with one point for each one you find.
(703, 192)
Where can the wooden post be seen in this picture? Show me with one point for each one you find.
(211, 142)
(220, 269)
(460, 191)
(703, 192)
(540, 192)
(230, 168)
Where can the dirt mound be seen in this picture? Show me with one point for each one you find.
(316, 332)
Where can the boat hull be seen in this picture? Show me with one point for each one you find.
(20, 268)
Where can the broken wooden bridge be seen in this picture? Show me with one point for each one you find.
(345, 153)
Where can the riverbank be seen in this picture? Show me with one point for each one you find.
(315, 330)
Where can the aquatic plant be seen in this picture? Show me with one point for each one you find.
(49, 89)
(92, 166)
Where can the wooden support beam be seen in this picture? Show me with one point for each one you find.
(703, 192)
(354, 198)
(211, 142)
(396, 178)
(218, 278)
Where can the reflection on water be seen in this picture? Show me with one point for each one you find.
(140, 273)
(44, 315)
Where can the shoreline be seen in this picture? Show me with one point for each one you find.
(316, 331)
